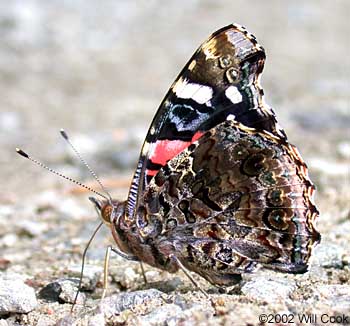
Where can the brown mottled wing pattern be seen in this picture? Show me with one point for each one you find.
(234, 198)
(221, 81)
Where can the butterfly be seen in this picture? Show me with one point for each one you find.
(218, 189)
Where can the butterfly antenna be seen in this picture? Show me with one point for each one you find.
(66, 138)
(27, 156)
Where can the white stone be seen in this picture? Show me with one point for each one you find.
(269, 290)
(163, 315)
(97, 320)
(115, 304)
(91, 274)
(16, 296)
(9, 240)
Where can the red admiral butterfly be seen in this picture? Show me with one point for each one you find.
(218, 188)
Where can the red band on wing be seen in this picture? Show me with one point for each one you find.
(165, 150)
(152, 173)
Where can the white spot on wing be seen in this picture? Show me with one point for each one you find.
(145, 148)
(233, 94)
(199, 93)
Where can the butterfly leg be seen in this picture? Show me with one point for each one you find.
(143, 273)
(105, 271)
(132, 258)
(293, 268)
(83, 264)
(106, 265)
(187, 273)
(124, 255)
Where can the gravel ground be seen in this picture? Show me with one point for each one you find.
(99, 70)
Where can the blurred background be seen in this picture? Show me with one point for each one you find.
(100, 69)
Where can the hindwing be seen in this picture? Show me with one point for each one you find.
(232, 199)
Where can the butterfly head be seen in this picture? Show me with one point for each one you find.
(109, 210)
(112, 213)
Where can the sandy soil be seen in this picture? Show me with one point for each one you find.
(100, 70)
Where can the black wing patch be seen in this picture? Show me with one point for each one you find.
(220, 82)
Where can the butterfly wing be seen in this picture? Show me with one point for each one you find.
(220, 82)
(234, 198)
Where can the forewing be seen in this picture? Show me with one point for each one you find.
(233, 198)
(220, 82)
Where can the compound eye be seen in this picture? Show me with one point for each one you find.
(106, 212)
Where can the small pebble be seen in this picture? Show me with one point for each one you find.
(91, 275)
(66, 321)
(63, 291)
(6, 212)
(69, 291)
(4, 263)
(126, 276)
(115, 304)
(163, 315)
(334, 290)
(16, 296)
(97, 320)
(329, 255)
(31, 228)
(8, 240)
(337, 295)
(166, 286)
(51, 292)
(269, 290)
